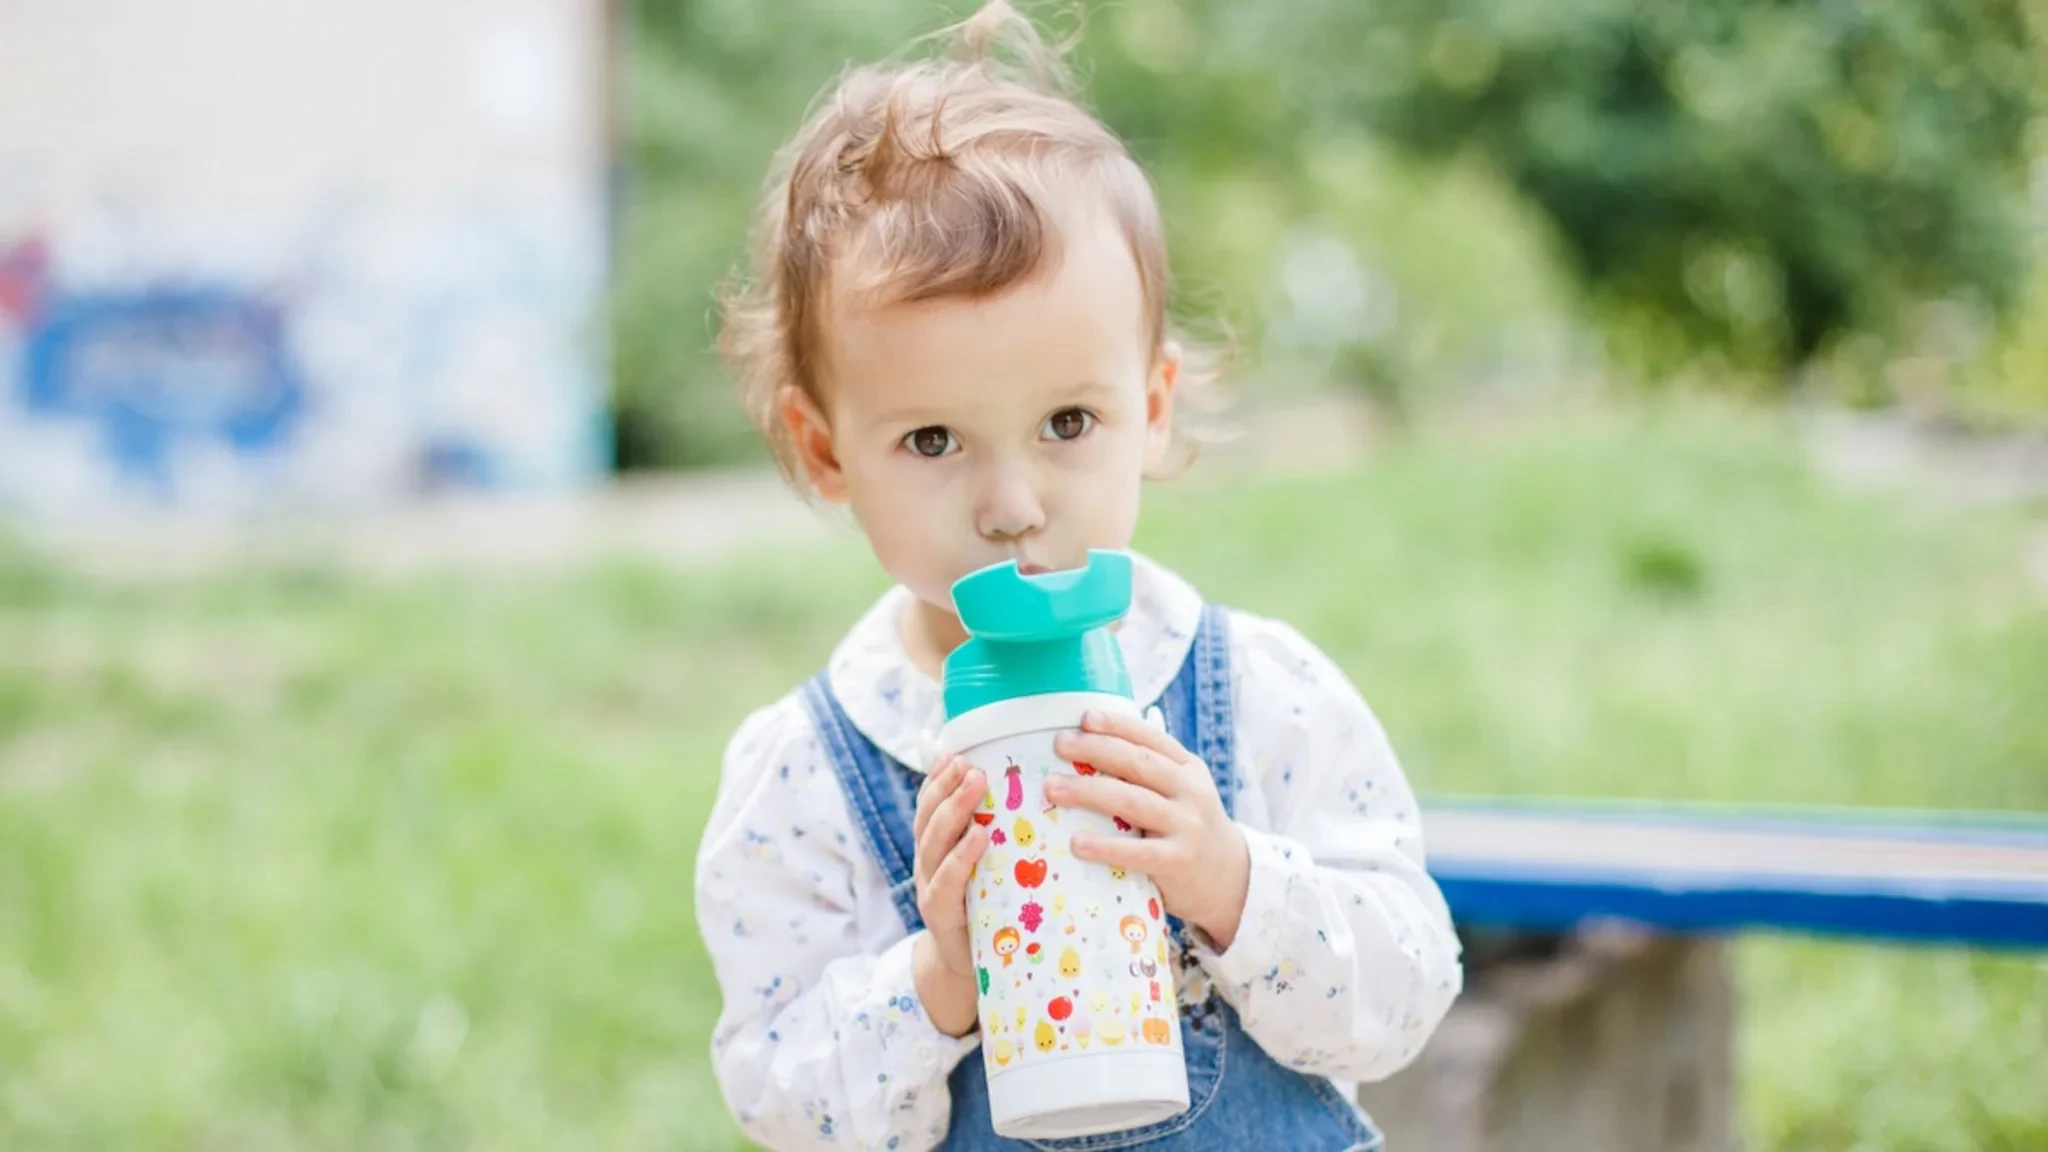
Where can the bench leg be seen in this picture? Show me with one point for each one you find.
(1599, 1040)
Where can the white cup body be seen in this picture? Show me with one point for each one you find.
(1080, 1028)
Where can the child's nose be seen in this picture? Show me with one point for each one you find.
(1010, 506)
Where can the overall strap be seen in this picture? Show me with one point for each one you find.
(1197, 704)
(882, 792)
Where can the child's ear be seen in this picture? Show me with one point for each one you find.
(811, 434)
(1159, 404)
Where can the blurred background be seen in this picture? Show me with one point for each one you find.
(1638, 400)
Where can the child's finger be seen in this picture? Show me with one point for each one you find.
(1154, 857)
(1117, 798)
(1137, 731)
(950, 818)
(943, 776)
(1146, 767)
(949, 880)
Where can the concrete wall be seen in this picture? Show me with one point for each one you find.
(276, 254)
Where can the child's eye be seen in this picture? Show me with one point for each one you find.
(930, 442)
(1069, 423)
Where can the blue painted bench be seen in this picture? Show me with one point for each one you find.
(1599, 1010)
(1971, 879)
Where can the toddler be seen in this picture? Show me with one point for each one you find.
(957, 328)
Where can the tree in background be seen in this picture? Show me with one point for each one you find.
(1748, 177)
(1751, 180)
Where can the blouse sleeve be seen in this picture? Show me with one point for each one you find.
(821, 1041)
(1345, 960)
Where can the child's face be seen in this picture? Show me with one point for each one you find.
(966, 433)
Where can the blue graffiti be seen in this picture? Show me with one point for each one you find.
(157, 367)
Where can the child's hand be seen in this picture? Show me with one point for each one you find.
(1190, 846)
(948, 844)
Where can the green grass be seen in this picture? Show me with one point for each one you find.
(300, 862)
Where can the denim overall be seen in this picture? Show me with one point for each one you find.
(1238, 1096)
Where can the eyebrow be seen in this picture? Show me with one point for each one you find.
(917, 416)
(923, 415)
(1092, 388)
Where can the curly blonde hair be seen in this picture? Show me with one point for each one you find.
(936, 179)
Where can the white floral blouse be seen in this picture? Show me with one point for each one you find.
(1345, 964)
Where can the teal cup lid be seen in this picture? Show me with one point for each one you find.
(1030, 635)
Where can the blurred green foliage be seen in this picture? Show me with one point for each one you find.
(1427, 196)
(1749, 175)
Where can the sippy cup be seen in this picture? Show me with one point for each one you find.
(1079, 1024)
